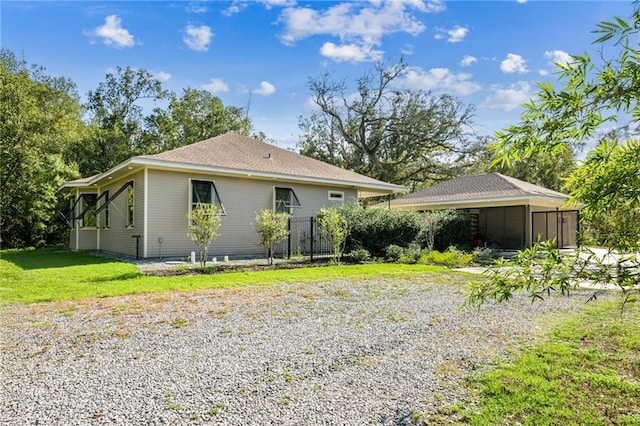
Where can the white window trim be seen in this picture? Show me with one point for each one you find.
(330, 194)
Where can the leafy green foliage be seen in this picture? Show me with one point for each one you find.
(452, 257)
(117, 119)
(377, 228)
(431, 223)
(40, 117)
(401, 136)
(195, 116)
(204, 222)
(592, 92)
(272, 228)
(542, 270)
(336, 228)
(359, 255)
(608, 183)
(393, 252)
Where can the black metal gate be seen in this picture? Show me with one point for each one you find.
(305, 239)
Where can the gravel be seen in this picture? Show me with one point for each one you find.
(333, 353)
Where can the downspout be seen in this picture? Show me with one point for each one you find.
(145, 238)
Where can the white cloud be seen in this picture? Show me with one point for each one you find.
(162, 76)
(457, 34)
(350, 53)
(113, 34)
(558, 57)
(521, 1)
(514, 64)
(508, 98)
(265, 89)
(197, 38)
(278, 3)
(355, 24)
(467, 60)
(440, 79)
(543, 72)
(197, 7)
(216, 85)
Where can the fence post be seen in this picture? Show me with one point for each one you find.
(289, 240)
(311, 233)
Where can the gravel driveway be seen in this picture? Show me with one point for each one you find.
(333, 353)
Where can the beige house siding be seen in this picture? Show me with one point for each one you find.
(169, 202)
(118, 237)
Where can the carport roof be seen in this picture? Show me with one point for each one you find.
(482, 188)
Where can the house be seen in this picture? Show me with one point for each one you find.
(140, 207)
(506, 212)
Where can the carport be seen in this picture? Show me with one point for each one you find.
(507, 213)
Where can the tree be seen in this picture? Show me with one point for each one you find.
(396, 135)
(272, 228)
(431, 223)
(591, 94)
(40, 116)
(116, 114)
(196, 116)
(204, 222)
(335, 227)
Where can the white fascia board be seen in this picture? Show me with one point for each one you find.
(485, 202)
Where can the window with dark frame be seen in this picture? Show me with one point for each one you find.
(336, 196)
(205, 192)
(130, 205)
(87, 205)
(285, 200)
(105, 223)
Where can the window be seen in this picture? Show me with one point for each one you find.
(105, 210)
(285, 200)
(336, 196)
(130, 205)
(87, 206)
(205, 192)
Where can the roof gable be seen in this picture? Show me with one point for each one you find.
(481, 187)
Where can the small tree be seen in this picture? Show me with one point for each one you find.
(272, 228)
(430, 224)
(335, 227)
(204, 222)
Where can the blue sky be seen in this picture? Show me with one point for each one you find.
(487, 53)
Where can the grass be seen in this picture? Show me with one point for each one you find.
(30, 276)
(586, 371)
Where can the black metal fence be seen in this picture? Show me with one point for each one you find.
(305, 239)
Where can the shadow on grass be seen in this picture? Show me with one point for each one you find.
(50, 258)
(121, 277)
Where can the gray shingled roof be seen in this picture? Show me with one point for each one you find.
(234, 151)
(480, 187)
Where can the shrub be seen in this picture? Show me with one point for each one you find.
(204, 221)
(393, 252)
(452, 257)
(272, 228)
(336, 228)
(411, 254)
(456, 231)
(360, 255)
(484, 255)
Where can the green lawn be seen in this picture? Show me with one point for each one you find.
(30, 276)
(585, 372)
